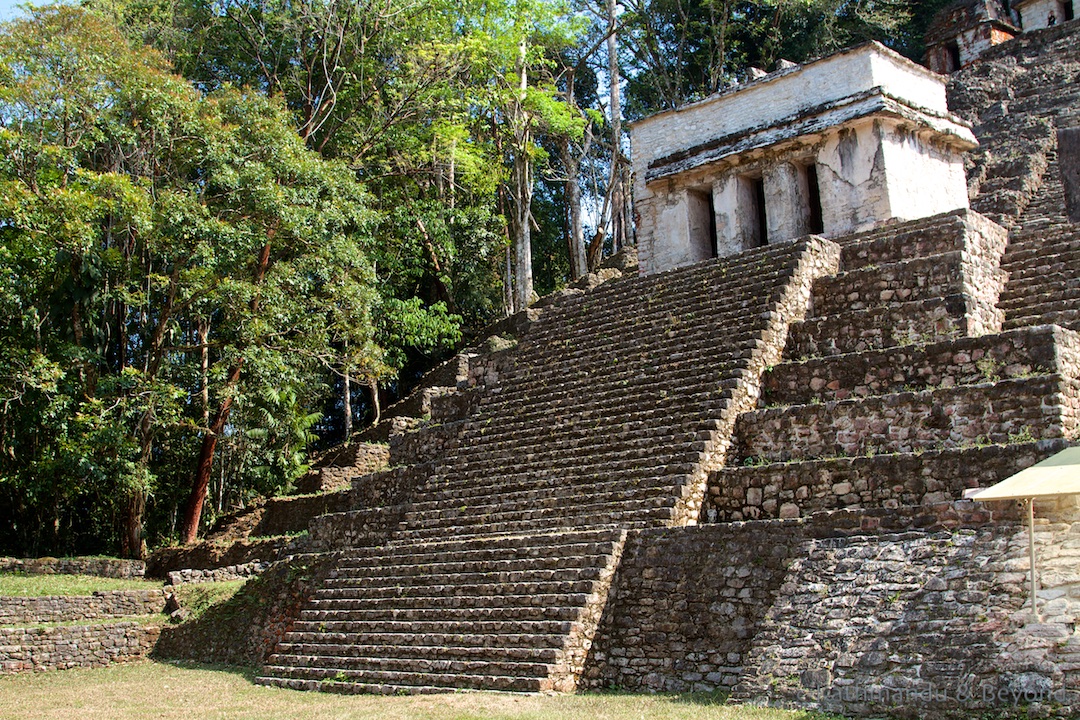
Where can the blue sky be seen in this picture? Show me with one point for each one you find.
(8, 9)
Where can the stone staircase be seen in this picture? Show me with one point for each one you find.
(607, 416)
(1017, 97)
(868, 413)
(507, 613)
(1043, 261)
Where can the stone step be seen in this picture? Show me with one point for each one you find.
(356, 620)
(542, 636)
(940, 418)
(520, 490)
(639, 387)
(703, 300)
(963, 361)
(920, 322)
(431, 664)
(628, 519)
(406, 549)
(643, 309)
(310, 632)
(1060, 274)
(638, 407)
(346, 582)
(899, 282)
(389, 682)
(542, 587)
(331, 654)
(895, 243)
(494, 518)
(331, 608)
(1029, 317)
(683, 339)
(1029, 256)
(531, 451)
(1051, 294)
(645, 471)
(903, 479)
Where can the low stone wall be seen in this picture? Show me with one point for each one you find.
(456, 405)
(389, 487)
(245, 629)
(102, 604)
(424, 444)
(84, 646)
(210, 555)
(96, 566)
(1035, 407)
(889, 481)
(356, 528)
(964, 361)
(293, 514)
(229, 572)
(337, 467)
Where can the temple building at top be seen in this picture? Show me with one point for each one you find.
(831, 147)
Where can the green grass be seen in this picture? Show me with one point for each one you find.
(155, 619)
(21, 585)
(197, 597)
(156, 690)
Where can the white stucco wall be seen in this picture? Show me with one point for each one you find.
(874, 125)
(786, 94)
(854, 194)
(912, 163)
(1035, 14)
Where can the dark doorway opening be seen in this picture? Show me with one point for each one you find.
(815, 221)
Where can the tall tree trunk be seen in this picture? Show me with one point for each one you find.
(373, 386)
(618, 194)
(522, 181)
(576, 231)
(571, 160)
(189, 529)
(131, 542)
(347, 402)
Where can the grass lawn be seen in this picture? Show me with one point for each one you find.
(177, 692)
(20, 585)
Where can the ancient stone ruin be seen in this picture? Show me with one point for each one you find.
(963, 31)
(743, 472)
(1038, 14)
(837, 146)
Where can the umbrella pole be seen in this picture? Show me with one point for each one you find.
(1030, 503)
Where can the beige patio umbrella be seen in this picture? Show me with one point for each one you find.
(1055, 477)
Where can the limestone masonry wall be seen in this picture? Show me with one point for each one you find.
(99, 567)
(229, 572)
(888, 481)
(685, 604)
(964, 361)
(109, 603)
(209, 555)
(921, 624)
(917, 611)
(60, 648)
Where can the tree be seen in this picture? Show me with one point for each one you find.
(168, 257)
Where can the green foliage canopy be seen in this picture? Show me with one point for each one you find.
(162, 251)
